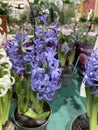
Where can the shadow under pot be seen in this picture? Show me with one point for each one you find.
(26, 123)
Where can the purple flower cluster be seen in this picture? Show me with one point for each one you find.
(39, 55)
(20, 54)
(91, 73)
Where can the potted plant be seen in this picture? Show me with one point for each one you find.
(37, 73)
(6, 90)
(66, 54)
(5, 8)
(65, 42)
(49, 7)
(82, 19)
(85, 46)
(85, 41)
(91, 87)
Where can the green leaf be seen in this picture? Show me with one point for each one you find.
(33, 115)
(36, 2)
(38, 104)
(71, 59)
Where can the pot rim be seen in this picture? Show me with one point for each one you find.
(75, 118)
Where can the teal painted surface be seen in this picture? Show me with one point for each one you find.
(65, 106)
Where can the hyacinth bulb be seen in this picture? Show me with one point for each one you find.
(83, 58)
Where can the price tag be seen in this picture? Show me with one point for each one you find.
(82, 90)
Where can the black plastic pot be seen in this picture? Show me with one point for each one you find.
(67, 79)
(80, 122)
(27, 123)
(67, 76)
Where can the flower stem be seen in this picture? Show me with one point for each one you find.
(92, 109)
(88, 101)
(94, 113)
(0, 125)
(5, 103)
(0, 114)
(38, 104)
(33, 16)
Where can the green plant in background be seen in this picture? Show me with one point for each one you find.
(67, 12)
(88, 18)
(84, 36)
(60, 13)
(66, 34)
(66, 46)
(66, 55)
(24, 17)
(88, 38)
(95, 21)
(82, 19)
(36, 6)
(5, 9)
(41, 7)
(66, 1)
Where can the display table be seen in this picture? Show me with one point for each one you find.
(65, 106)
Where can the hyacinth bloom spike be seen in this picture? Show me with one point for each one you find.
(91, 82)
(38, 59)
